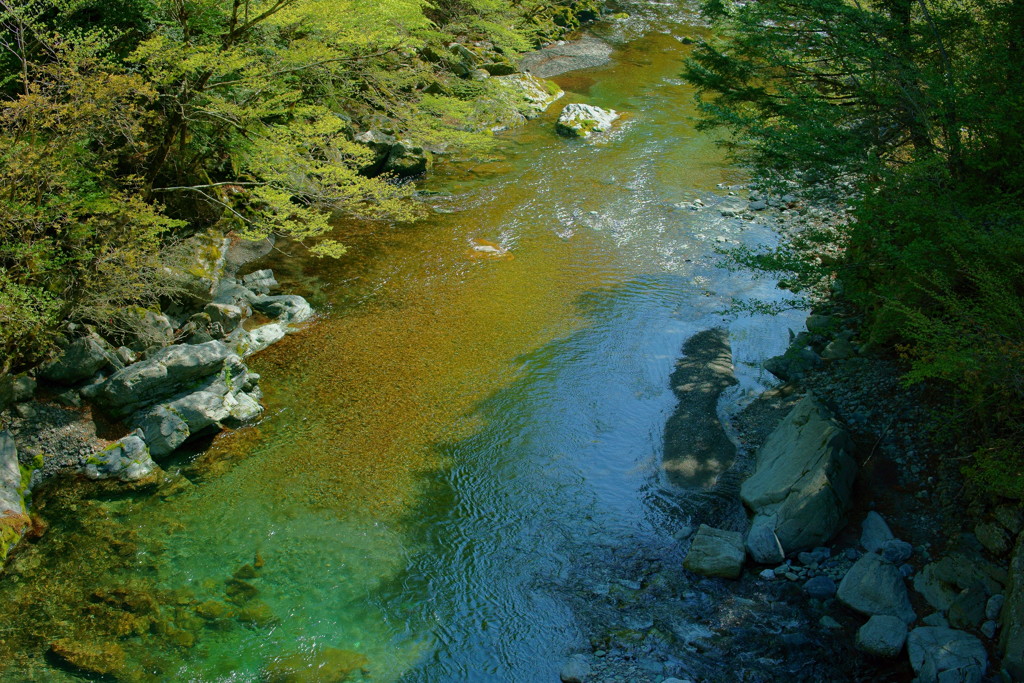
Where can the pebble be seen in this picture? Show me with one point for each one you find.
(829, 623)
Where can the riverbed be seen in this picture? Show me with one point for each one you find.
(459, 434)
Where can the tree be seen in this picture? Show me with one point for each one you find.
(911, 111)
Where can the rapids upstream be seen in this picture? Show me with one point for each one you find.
(447, 445)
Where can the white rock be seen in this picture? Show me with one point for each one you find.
(583, 120)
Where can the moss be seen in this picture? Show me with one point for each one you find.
(97, 659)
(551, 87)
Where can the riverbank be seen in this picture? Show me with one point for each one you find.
(914, 542)
(67, 417)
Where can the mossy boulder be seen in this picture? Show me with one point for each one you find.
(105, 659)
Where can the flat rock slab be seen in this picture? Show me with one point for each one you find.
(697, 449)
(569, 56)
(944, 654)
(716, 552)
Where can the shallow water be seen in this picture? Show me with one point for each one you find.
(444, 443)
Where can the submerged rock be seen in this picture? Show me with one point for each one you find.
(95, 659)
(566, 56)
(803, 478)
(576, 670)
(716, 552)
(583, 120)
(329, 665)
(697, 449)
(287, 308)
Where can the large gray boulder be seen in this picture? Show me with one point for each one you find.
(873, 586)
(1012, 616)
(882, 636)
(226, 399)
(127, 459)
(716, 552)
(13, 515)
(163, 429)
(944, 655)
(82, 359)
(583, 120)
(803, 478)
(169, 371)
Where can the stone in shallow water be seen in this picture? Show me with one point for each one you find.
(583, 120)
(575, 670)
(716, 552)
(95, 659)
(329, 665)
(763, 545)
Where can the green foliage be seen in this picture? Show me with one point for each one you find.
(911, 111)
(128, 124)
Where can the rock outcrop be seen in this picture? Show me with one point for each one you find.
(82, 359)
(167, 372)
(391, 155)
(803, 478)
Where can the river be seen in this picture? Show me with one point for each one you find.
(447, 445)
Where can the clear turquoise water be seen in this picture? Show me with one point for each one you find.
(444, 446)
